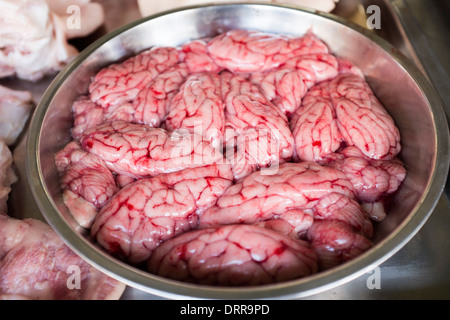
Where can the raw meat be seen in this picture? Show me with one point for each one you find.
(338, 207)
(314, 125)
(293, 223)
(87, 114)
(315, 67)
(36, 264)
(197, 58)
(375, 210)
(121, 82)
(86, 182)
(284, 87)
(152, 103)
(343, 109)
(260, 197)
(251, 51)
(255, 127)
(32, 40)
(149, 211)
(34, 37)
(362, 119)
(373, 180)
(7, 175)
(336, 242)
(141, 151)
(150, 106)
(287, 85)
(346, 66)
(15, 109)
(235, 255)
(198, 108)
(249, 138)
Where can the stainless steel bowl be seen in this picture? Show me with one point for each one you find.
(407, 95)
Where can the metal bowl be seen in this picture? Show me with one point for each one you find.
(402, 88)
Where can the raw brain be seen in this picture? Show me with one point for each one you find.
(119, 83)
(287, 85)
(254, 126)
(198, 107)
(343, 109)
(281, 142)
(251, 51)
(86, 182)
(145, 213)
(298, 189)
(141, 151)
(233, 255)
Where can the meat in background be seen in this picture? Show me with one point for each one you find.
(15, 109)
(86, 182)
(150, 211)
(34, 35)
(7, 175)
(35, 264)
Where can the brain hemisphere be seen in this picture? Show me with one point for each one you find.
(149, 211)
(86, 182)
(197, 58)
(141, 151)
(121, 82)
(372, 179)
(336, 242)
(362, 120)
(263, 103)
(152, 103)
(314, 125)
(258, 130)
(233, 255)
(198, 107)
(260, 197)
(250, 51)
(343, 109)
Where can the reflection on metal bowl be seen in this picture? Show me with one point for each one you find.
(401, 87)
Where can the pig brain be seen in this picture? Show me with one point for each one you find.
(242, 159)
(233, 255)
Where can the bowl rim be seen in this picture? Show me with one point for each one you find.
(298, 288)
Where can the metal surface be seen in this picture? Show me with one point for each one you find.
(417, 270)
(396, 82)
(429, 59)
(427, 26)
